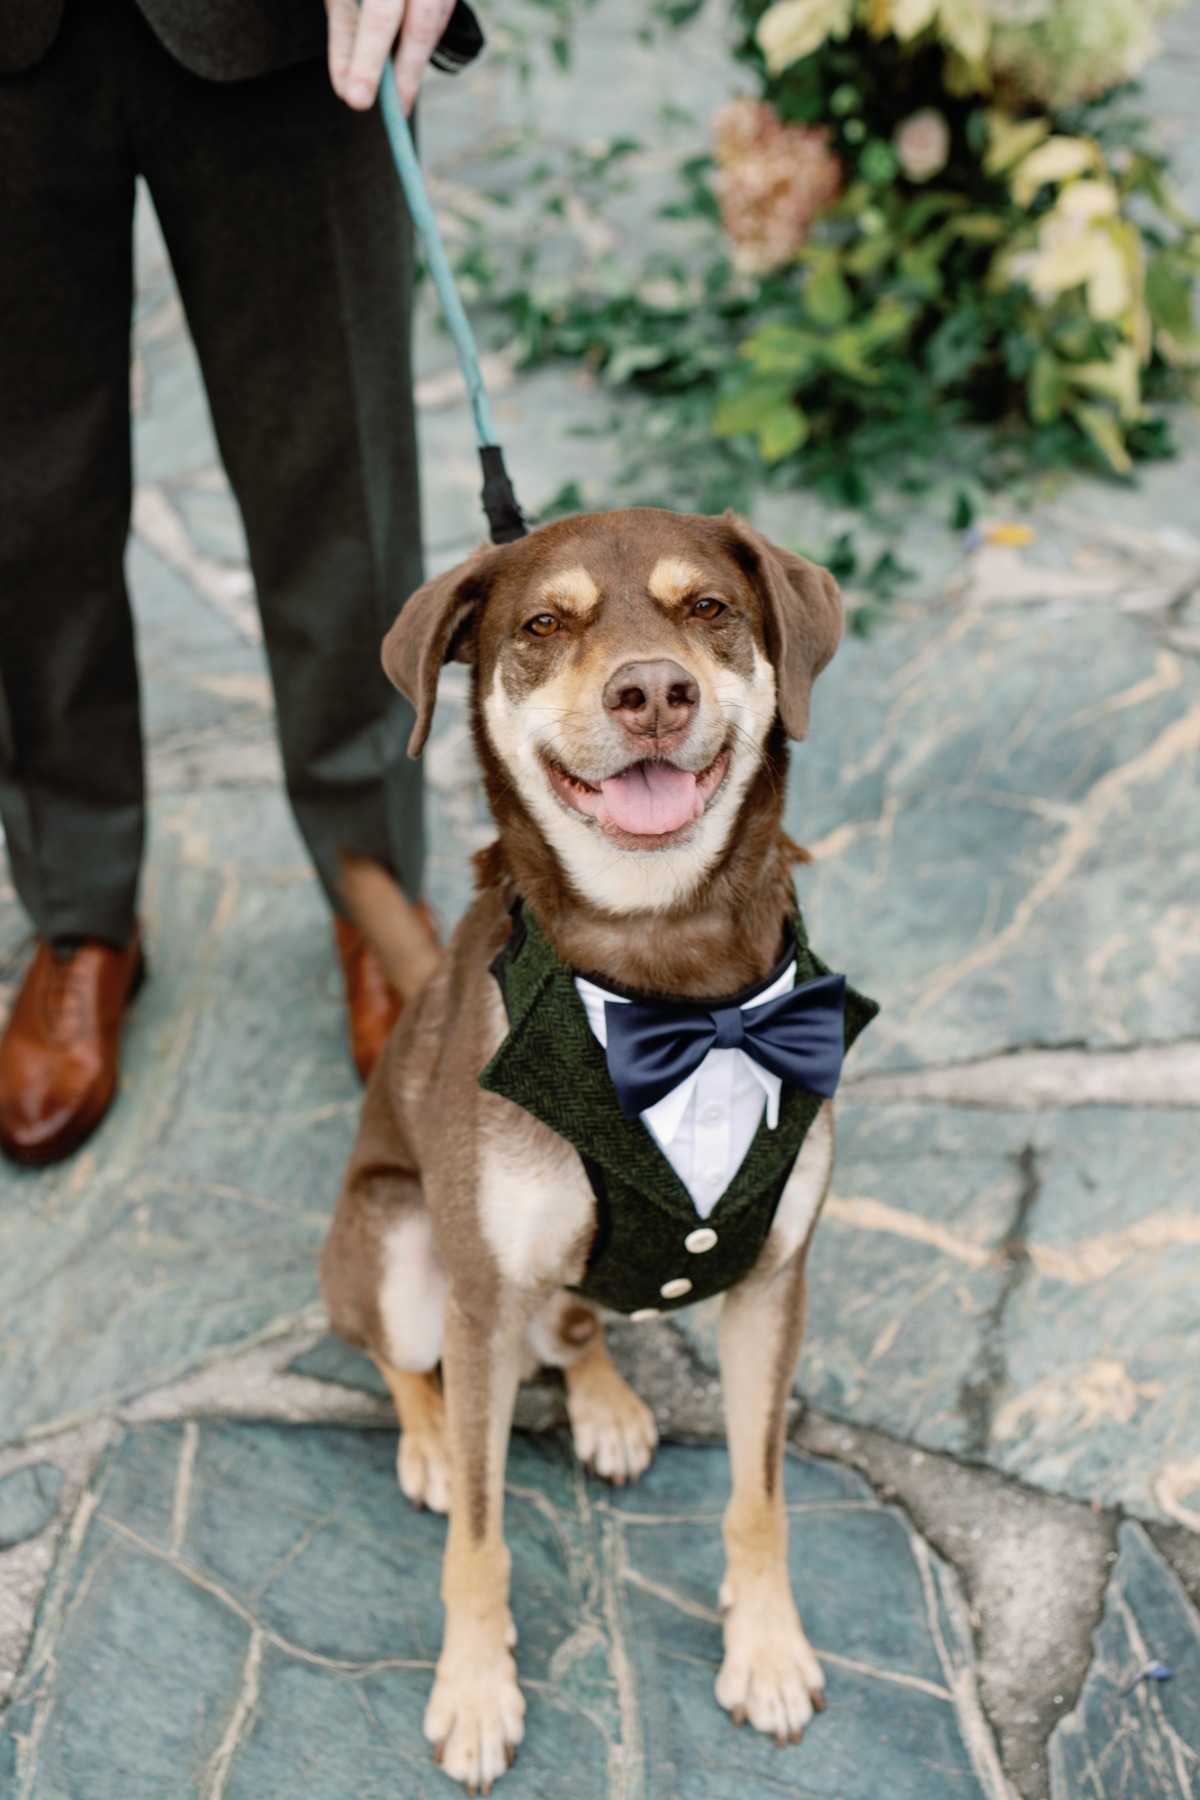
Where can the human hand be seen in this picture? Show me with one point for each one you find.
(360, 38)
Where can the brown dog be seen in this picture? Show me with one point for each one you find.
(636, 675)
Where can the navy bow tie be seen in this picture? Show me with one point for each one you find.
(800, 1037)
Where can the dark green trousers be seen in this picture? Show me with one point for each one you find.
(291, 248)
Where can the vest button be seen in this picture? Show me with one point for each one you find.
(675, 1290)
(700, 1240)
(643, 1313)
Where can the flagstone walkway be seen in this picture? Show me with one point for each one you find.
(209, 1583)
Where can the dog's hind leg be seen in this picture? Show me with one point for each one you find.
(411, 1298)
(613, 1430)
(385, 1286)
(421, 1463)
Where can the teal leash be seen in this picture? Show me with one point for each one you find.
(504, 517)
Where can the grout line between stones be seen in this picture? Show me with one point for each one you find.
(977, 1393)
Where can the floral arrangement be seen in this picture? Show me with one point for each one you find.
(949, 217)
(924, 214)
(773, 181)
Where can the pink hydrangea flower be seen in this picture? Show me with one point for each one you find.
(772, 182)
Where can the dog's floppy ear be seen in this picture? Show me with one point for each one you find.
(802, 611)
(435, 627)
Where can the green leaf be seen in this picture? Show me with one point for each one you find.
(1105, 433)
(1169, 299)
(790, 30)
(631, 359)
(847, 351)
(920, 265)
(927, 207)
(1045, 388)
(1010, 139)
(779, 349)
(840, 557)
(869, 254)
(877, 163)
(1148, 175)
(962, 510)
(827, 299)
(746, 410)
(782, 431)
(956, 347)
(886, 574)
(889, 321)
(678, 13)
(570, 498)
(983, 228)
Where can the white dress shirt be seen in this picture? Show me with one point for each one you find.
(706, 1125)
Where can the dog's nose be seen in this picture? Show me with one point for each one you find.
(652, 697)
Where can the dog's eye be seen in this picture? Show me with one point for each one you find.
(544, 625)
(707, 609)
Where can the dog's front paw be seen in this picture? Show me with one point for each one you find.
(612, 1429)
(475, 1717)
(422, 1469)
(770, 1674)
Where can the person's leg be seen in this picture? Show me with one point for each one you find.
(291, 246)
(70, 737)
(70, 741)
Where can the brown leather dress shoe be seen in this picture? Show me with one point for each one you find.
(373, 1004)
(60, 1053)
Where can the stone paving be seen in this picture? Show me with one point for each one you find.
(209, 1583)
(272, 1566)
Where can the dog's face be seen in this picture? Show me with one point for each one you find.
(630, 667)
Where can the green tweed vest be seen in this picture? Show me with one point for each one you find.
(651, 1252)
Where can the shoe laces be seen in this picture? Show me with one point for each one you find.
(64, 1000)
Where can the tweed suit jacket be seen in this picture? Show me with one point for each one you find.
(552, 1065)
(222, 40)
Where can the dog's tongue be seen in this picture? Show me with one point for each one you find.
(650, 799)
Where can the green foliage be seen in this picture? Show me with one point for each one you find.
(848, 368)
(876, 580)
